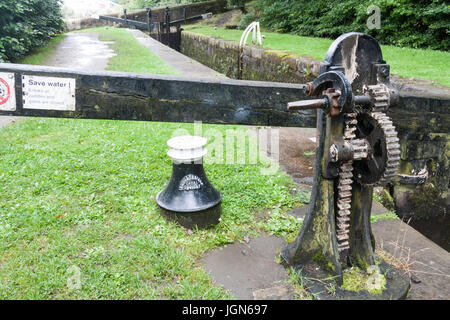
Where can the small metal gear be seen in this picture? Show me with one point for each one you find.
(380, 95)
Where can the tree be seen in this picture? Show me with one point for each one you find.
(240, 4)
(25, 24)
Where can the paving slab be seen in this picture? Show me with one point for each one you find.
(425, 261)
(249, 270)
(295, 151)
(5, 120)
(185, 65)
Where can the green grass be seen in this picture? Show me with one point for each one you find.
(384, 216)
(78, 203)
(432, 65)
(82, 193)
(40, 55)
(131, 55)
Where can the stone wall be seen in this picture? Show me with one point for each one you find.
(422, 116)
(258, 64)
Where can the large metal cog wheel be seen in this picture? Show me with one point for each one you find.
(380, 166)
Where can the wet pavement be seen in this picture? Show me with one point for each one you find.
(249, 270)
(426, 263)
(81, 51)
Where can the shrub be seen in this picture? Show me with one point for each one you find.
(25, 24)
(413, 23)
(238, 4)
(246, 20)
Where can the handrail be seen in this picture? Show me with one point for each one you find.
(256, 36)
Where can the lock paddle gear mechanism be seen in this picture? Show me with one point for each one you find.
(358, 149)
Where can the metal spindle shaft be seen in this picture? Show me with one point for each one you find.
(308, 104)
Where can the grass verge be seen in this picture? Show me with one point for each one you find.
(409, 63)
(80, 195)
(41, 54)
(78, 217)
(131, 55)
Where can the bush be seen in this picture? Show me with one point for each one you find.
(238, 4)
(413, 23)
(25, 24)
(246, 20)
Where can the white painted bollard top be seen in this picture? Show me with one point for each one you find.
(187, 149)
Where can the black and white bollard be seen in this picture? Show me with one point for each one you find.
(189, 198)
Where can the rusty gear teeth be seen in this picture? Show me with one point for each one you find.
(345, 189)
(392, 147)
(346, 169)
(380, 95)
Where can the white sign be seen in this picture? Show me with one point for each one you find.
(48, 93)
(7, 92)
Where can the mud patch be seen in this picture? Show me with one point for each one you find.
(295, 152)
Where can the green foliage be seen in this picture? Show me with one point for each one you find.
(246, 20)
(238, 4)
(282, 224)
(356, 279)
(40, 55)
(25, 24)
(428, 64)
(414, 23)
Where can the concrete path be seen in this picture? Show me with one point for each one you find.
(425, 262)
(249, 270)
(185, 65)
(5, 120)
(81, 51)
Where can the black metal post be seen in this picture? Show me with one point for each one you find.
(125, 15)
(160, 27)
(149, 19)
(167, 20)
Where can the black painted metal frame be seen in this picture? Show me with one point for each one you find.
(131, 96)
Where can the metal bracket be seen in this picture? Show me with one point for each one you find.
(419, 178)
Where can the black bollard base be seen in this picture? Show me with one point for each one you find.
(189, 198)
(200, 219)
